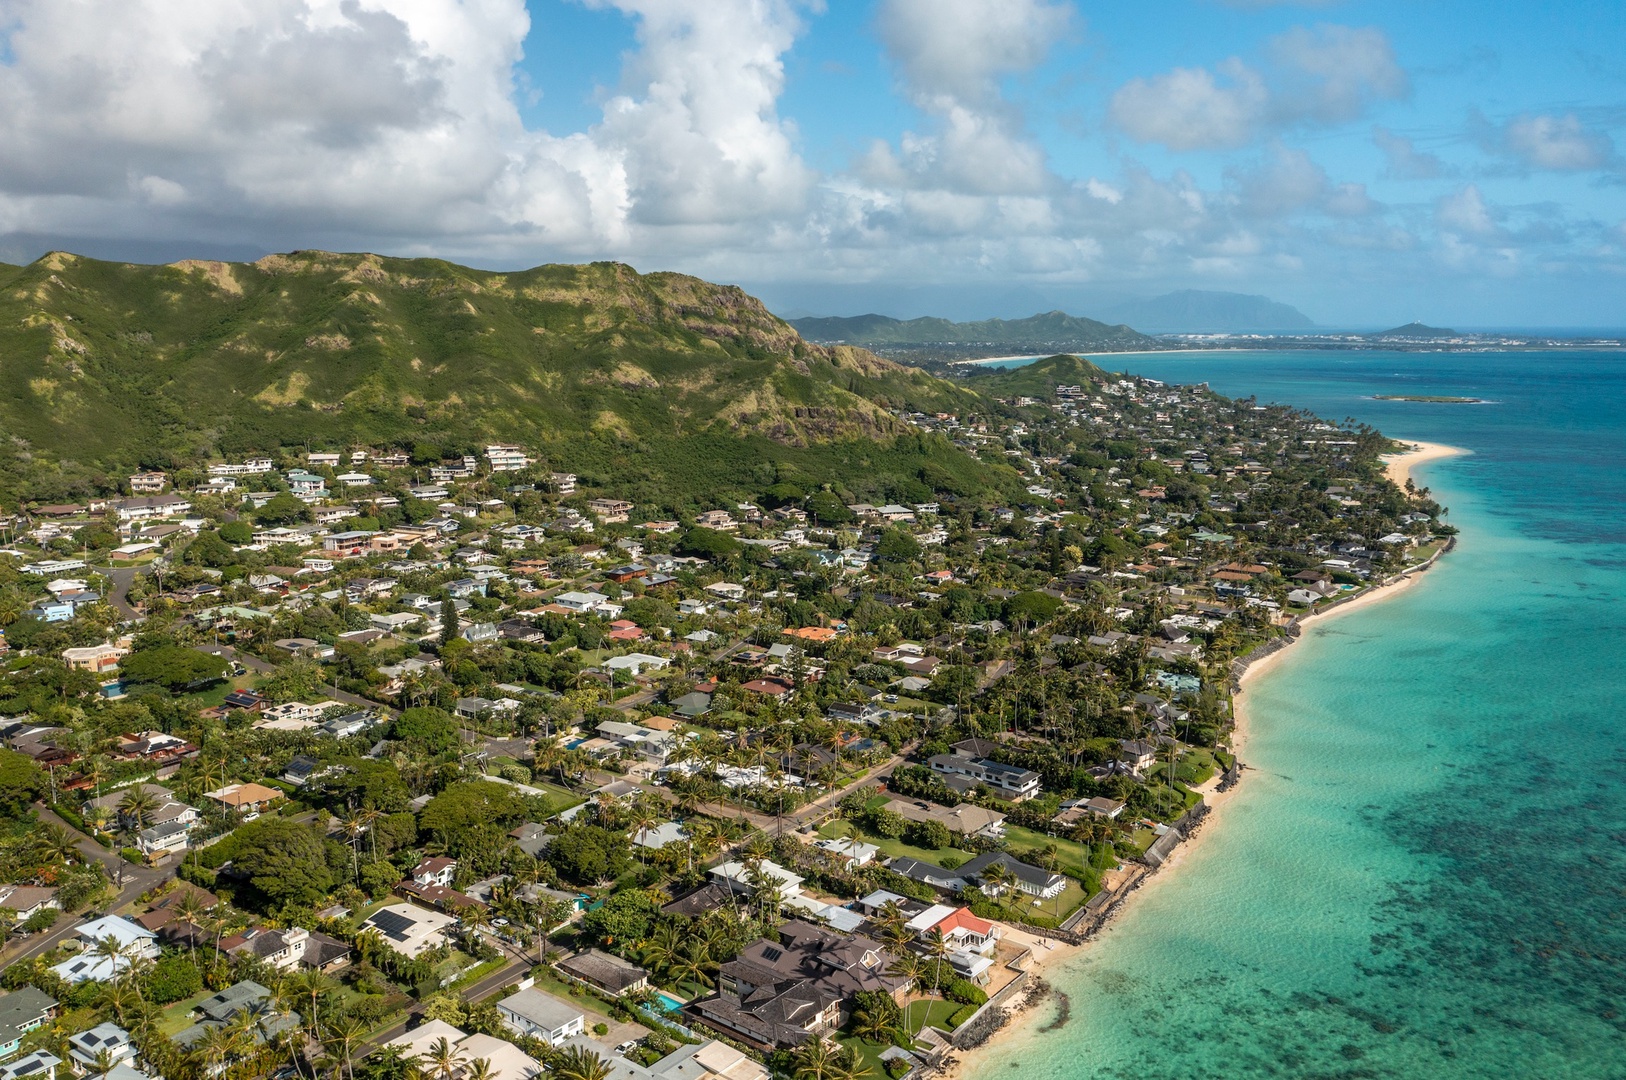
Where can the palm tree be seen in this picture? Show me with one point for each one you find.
(213, 1049)
(480, 1069)
(815, 1060)
(53, 844)
(908, 965)
(190, 908)
(344, 1034)
(138, 806)
(937, 949)
(894, 924)
(997, 877)
(642, 819)
(113, 950)
(579, 1063)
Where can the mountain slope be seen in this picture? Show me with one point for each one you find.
(114, 365)
(1200, 311)
(1038, 379)
(1055, 329)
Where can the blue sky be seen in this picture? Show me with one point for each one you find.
(1367, 162)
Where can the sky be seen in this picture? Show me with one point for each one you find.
(1463, 163)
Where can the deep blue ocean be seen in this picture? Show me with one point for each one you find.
(1424, 871)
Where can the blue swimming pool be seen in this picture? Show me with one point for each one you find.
(668, 1002)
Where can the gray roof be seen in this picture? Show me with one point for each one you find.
(543, 1010)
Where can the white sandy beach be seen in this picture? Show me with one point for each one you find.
(1398, 468)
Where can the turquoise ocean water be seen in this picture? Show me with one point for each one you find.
(1424, 874)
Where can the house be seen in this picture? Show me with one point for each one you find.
(542, 1016)
(726, 590)
(635, 663)
(581, 602)
(38, 1063)
(409, 929)
(610, 511)
(928, 874)
(532, 838)
(507, 458)
(148, 483)
(139, 944)
(971, 940)
(1007, 781)
(710, 1060)
(1136, 754)
(21, 1011)
(610, 974)
(777, 689)
(24, 900)
(781, 991)
(646, 742)
(504, 1060)
(438, 870)
(97, 659)
(692, 705)
(854, 853)
(246, 799)
(668, 832)
(291, 948)
(967, 819)
(740, 878)
(1044, 884)
(157, 841)
(103, 1045)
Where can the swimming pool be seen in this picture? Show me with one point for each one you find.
(668, 1002)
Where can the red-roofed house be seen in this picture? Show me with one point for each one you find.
(972, 941)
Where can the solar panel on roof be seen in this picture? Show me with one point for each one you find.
(393, 924)
(771, 954)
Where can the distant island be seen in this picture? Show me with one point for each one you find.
(933, 338)
(1432, 399)
(1417, 330)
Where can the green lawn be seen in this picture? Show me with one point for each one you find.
(869, 1055)
(919, 1015)
(550, 984)
(891, 848)
(176, 1018)
(1072, 858)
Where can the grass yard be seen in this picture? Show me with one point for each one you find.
(1072, 858)
(551, 984)
(176, 1018)
(891, 848)
(925, 1013)
(869, 1056)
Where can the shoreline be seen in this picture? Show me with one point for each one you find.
(1018, 1018)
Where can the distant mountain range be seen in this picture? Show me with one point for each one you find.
(1195, 311)
(1055, 330)
(1125, 325)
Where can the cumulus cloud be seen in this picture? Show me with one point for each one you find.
(1560, 143)
(1405, 161)
(976, 143)
(1321, 76)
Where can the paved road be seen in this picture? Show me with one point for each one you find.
(136, 880)
(122, 577)
(511, 972)
(262, 667)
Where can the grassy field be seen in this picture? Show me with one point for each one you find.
(891, 848)
(1072, 858)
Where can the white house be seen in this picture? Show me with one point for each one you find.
(531, 1012)
(137, 943)
(738, 877)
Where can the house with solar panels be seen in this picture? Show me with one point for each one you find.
(409, 929)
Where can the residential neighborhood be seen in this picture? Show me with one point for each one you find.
(491, 770)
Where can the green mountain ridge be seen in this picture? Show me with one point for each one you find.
(1051, 329)
(106, 367)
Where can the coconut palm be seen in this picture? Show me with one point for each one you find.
(480, 1069)
(138, 806)
(579, 1063)
(54, 844)
(815, 1060)
(343, 1036)
(937, 948)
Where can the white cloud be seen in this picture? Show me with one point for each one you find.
(1556, 142)
(1322, 76)
(1405, 161)
(951, 55)
(1466, 213)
